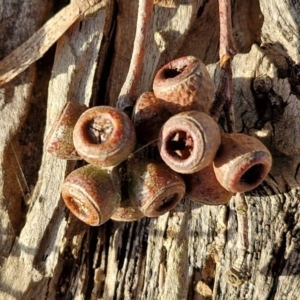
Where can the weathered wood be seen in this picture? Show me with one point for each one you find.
(46, 253)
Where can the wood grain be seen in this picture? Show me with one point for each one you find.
(47, 254)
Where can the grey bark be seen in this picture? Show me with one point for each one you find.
(46, 253)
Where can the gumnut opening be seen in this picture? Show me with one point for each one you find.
(92, 194)
(104, 136)
(204, 188)
(148, 117)
(59, 141)
(153, 187)
(184, 84)
(189, 141)
(242, 162)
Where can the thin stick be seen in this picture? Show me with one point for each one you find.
(223, 97)
(128, 92)
(227, 46)
(36, 46)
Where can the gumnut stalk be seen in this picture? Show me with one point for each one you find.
(242, 162)
(189, 141)
(153, 187)
(129, 91)
(92, 194)
(184, 84)
(59, 141)
(204, 188)
(104, 136)
(148, 117)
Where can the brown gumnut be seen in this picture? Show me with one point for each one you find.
(242, 162)
(204, 188)
(59, 141)
(148, 117)
(189, 141)
(153, 187)
(126, 212)
(184, 84)
(104, 136)
(92, 194)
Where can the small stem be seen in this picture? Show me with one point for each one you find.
(227, 46)
(223, 97)
(128, 92)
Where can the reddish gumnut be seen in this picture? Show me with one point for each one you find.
(59, 141)
(242, 162)
(148, 116)
(204, 188)
(153, 187)
(189, 141)
(184, 84)
(104, 136)
(92, 194)
(127, 212)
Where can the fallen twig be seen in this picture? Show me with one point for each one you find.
(36, 46)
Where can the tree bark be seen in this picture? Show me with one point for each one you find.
(46, 253)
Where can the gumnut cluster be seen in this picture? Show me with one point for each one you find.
(195, 158)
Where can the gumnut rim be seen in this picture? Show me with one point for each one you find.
(92, 194)
(189, 141)
(104, 136)
(242, 162)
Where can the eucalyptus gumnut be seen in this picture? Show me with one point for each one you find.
(104, 136)
(189, 141)
(148, 116)
(59, 141)
(92, 194)
(242, 162)
(184, 84)
(204, 188)
(153, 187)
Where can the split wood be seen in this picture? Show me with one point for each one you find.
(36, 46)
(236, 275)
